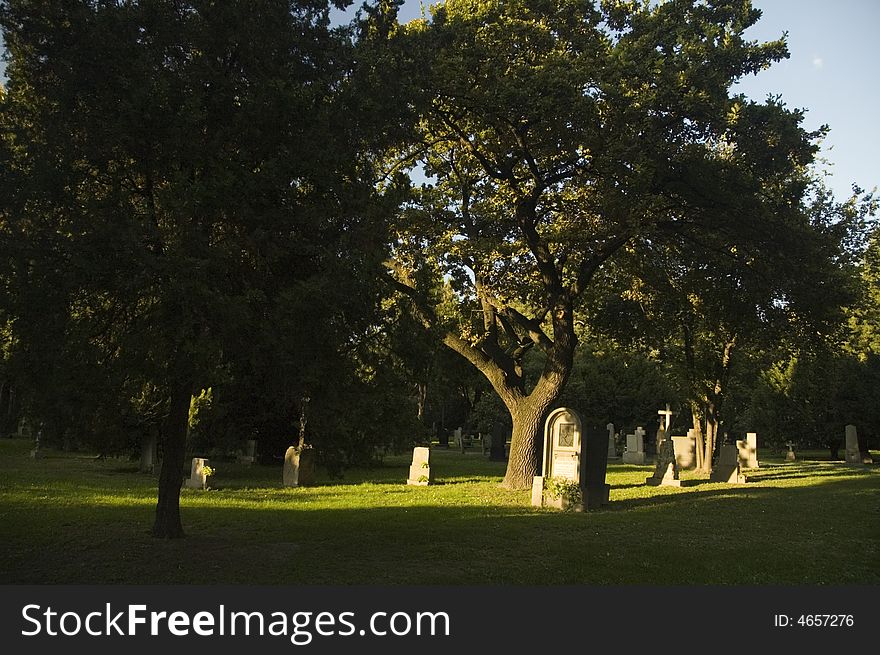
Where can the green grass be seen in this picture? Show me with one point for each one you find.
(71, 519)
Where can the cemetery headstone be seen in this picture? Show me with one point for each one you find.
(853, 455)
(149, 452)
(420, 469)
(667, 419)
(197, 476)
(497, 450)
(666, 471)
(250, 452)
(594, 467)
(459, 439)
(635, 447)
(612, 446)
(36, 453)
(685, 449)
(561, 465)
(790, 456)
(728, 468)
(748, 451)
(299, 467)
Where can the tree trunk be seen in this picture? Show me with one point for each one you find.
(523, 462)
(711, 438)
(698, 437)
(167, 524)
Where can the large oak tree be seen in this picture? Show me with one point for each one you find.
(555, 134)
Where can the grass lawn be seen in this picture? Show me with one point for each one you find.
(71, 519)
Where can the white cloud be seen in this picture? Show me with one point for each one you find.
(818, 63)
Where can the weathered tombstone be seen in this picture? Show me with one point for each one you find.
(852, 455)
(197, 477)
(485, 442)
(36, 453)
(594, 466)
(561, 460)
(748, 451)
(666, 471)
(149, 451)
(685, 449)
(790, 456)
(497, 450)
(612, 446)
(728, 467)
(299, 467)
(459, 439)
(250, 452)
(635, 447)
(420, 469)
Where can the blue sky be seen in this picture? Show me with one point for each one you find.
(832, 73)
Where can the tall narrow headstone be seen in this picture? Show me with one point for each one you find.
(748, 451)
(498, 450)
(149, 449)
(594, 467)
(666, 472)
(420, 469)
(790, 456)
(459, 439)
(612, 446)
(852, 455)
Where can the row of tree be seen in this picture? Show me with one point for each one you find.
(216, 196)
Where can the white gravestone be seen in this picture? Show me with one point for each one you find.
(562, 453)
(635, 447)
(748, 451)
(685, 449)
(197, 478)
(667, 418)
(852, 455)
(299, 467)
(420, 469)
(612, 447)
(790, 456)
(728, 467)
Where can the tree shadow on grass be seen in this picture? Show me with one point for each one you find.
(641, 540)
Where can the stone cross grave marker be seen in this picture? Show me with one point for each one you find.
(748, 451)
(666, 472)
(635, 447)
(299, 467)
(420, 469)
(197, 478)
(790, 456)
(612, 447)
(667, 418)
(728, 467)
